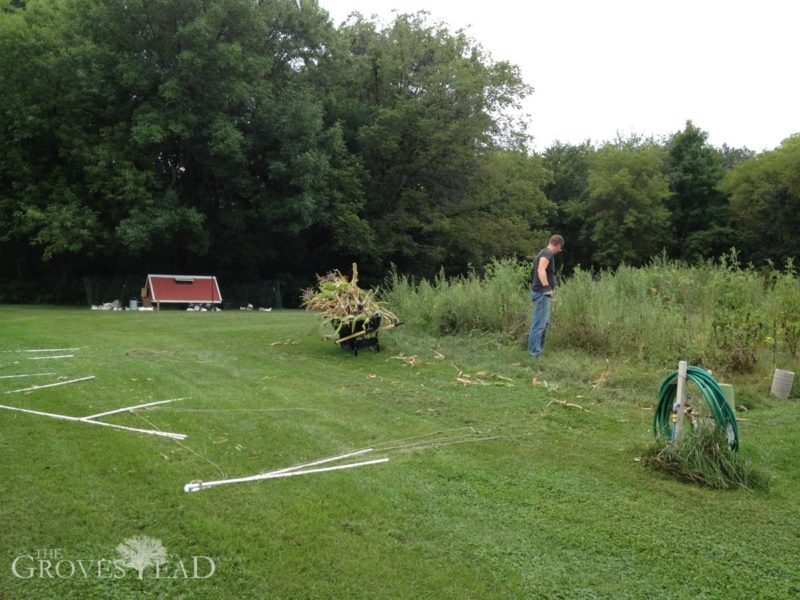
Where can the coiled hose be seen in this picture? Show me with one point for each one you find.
(715, 399)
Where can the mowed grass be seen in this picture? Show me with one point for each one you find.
(554, 505)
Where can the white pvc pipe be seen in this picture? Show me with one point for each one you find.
(167, 434)
(49, 385)
(127, 409)
(424, 445)
(174, 436)
(26, 375)
(39, 413)
(196, 486)
(51, 350)
(319, 462)
(47, 357)
(681, 399)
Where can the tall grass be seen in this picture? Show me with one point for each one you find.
(702, 456)
(491, 301)
(715, 314)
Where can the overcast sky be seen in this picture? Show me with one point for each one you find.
(600, 67)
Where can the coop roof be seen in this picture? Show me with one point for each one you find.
(181, 289)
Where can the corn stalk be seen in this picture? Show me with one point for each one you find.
(341, 303)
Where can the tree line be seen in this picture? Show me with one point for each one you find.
(253, 139)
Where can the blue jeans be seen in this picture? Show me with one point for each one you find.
(541, 315)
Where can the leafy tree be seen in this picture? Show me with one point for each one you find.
(44, 79)
(765, 200)
(174, 132)
(625, 213)
(422, 105)
(226, 122)
(733, 156)
(507, 213)
(569, 170)
(699, 210)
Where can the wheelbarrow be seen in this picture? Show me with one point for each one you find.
(362, 334)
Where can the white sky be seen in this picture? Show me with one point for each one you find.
(599, 67)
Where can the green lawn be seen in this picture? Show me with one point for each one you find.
(555, 505)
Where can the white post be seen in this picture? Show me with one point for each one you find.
(680, 398)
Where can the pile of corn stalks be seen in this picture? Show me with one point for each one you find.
(342, 303)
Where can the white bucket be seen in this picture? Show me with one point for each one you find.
(782, 383)
(133, 305)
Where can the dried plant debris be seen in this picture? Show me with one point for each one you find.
(481, 377)
(342, 304)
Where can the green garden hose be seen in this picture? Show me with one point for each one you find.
(715, 399)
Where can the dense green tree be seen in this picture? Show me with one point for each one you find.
(422, 104)
(733, 156)
(46, 87)
(252, 138)
(507, 213)
(699, 211)
(569, 169)
(225, 119)
(765, 200)
(179, 132)
(625, 214)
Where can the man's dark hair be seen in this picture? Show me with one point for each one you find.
(557, 240)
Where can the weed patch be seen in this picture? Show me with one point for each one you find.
(702, 456)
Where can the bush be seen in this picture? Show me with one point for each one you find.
(702, 456)
(618, 313)
(786, 293)
(710, 314)
(713, 314)
(495, 301)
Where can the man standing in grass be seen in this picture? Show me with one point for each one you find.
(543, 280)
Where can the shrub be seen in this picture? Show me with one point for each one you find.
(711, 314)
(714, 314)
(786, 292)
(702, 456)
(495, 301)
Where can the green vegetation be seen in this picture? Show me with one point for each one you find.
(702, 456)
(716, 315)
(494, 301)
(544, 496)
(256, 140)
